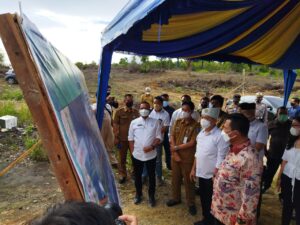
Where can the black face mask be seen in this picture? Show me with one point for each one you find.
(204, 105)
(293, 104)
(114, 104)
(129, 104)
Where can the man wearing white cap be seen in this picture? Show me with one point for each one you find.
(147, 97)
(261, 110)
(211, 150)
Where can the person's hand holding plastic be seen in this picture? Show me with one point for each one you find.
(129, 219)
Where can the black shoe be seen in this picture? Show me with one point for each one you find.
(172, 202)
(137, 199)
(152, 202)
(193, 210)
(122, 180)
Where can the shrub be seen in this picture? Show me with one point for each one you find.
(38, 154)
(20, 110)
(11, 94)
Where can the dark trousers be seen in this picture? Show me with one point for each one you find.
(291, 200)
(138, 170)
(166, 145)
(206, 192)
(272, 167)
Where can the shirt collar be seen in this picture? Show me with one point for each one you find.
(237, 148)
(212, 131)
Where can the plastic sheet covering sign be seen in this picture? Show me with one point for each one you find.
(66, 89)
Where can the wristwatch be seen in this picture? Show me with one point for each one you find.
(176, 148)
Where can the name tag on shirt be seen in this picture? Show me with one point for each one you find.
(185, 140)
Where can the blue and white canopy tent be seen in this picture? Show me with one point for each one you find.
(250, 31)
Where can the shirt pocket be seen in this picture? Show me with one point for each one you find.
(123, 119)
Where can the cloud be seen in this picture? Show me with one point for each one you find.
(77, 37)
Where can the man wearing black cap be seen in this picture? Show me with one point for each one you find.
(258, 131)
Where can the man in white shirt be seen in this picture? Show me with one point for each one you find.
(258, 131)
(177, 113)
(163, 117)
(211, 150)
(144, 136)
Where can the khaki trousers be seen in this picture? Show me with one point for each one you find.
(182, 170)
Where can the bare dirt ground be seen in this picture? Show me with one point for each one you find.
(29, 188)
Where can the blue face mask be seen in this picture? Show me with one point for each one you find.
(165, 103)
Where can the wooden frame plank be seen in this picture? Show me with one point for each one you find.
(39, 105)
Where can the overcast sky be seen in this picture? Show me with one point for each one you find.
(72, 26)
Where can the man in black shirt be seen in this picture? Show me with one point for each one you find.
(279, 130)
(166, 143)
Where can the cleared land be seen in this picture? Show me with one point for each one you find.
(28, 189)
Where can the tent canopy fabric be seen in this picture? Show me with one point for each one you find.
(249, 31)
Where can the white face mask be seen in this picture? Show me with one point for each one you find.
(144, 112)
(294, 131)
(225, 136)
(184, 115)
(205, 123)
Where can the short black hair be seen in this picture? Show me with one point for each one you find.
(218, 98)
(296, 99)
(146, 103)
(190, 104)
(240, 123)
(187, 97)
(76, 213)
(205, 98)
(159, 98)
(282, 108)
(128, 95)
(165, 95)
(237, 96)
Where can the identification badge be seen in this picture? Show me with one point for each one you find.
(185, 140)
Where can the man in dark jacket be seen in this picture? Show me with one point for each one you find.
(166, 143)
(279, 130)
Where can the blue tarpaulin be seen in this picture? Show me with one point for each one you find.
(289, 80)
(250, 31)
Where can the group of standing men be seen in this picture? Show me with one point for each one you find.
(221, 150)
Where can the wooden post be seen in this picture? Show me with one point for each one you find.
(42, 112)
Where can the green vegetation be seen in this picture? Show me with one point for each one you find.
(1, 58)
(84, 66)
(17, 109)
(11, 94)
(144, 65)
(38, 154)
(30, 138)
